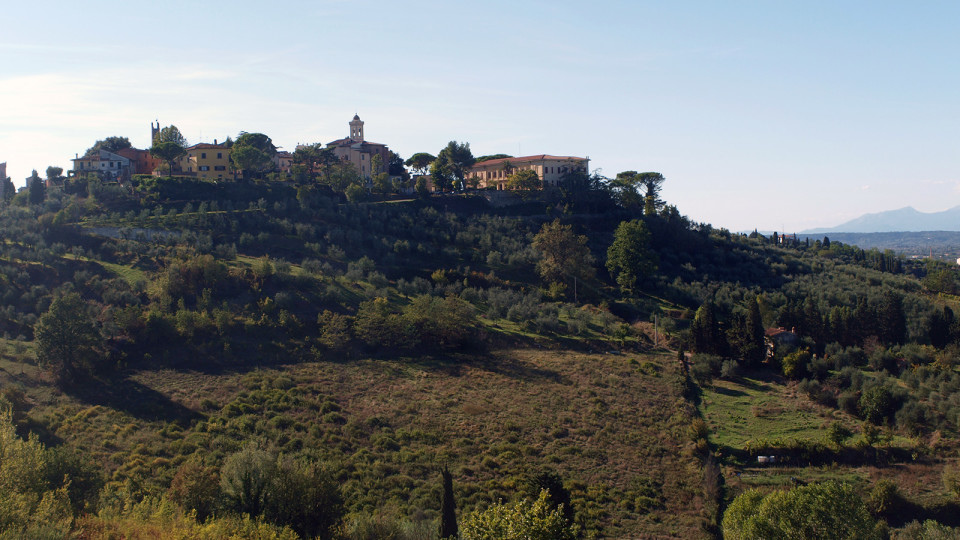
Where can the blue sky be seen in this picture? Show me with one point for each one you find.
(769, 115)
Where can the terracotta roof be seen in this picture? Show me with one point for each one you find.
(774, 332)
(526, 159)
(350, 142)
(207, 146)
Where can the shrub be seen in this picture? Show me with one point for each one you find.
(246, 478)
(440, 322)
(795, 364)
(837, 433)
(730, 369)
(704, 367)
(825, 511)
(377, 325)
(334, 330)
(195, 487)
(29, 508)
(523, 520)
(306, 499)
(877, 404)
(885, 498)
(951, 479)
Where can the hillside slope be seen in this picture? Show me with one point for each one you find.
(613, 427)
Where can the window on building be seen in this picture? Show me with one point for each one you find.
(219, 167)
(219, 155)
(203, 155)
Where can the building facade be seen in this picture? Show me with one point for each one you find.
(283, 161)
(142, 162)
(110, 167)
(207, 161)
(551, 169)
(355, 150)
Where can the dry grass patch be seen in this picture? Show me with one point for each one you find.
(616, 432)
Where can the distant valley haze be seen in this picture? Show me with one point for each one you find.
(906, 219)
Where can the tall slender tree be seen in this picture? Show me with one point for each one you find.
(705, 330)
(37, 189)
(891, 321)
(448, 508)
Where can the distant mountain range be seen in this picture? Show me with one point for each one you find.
(903, 220)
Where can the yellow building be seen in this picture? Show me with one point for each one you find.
(550, 169)
(209, 161)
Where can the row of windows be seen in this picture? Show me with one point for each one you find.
(203, 155)
(103, 165)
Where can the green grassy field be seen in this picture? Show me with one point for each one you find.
(752, 408)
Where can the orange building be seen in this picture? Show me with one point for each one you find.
(142, 162)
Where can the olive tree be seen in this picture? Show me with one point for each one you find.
(66, 339)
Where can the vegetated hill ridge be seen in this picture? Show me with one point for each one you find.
(943, 245)
(905, 219)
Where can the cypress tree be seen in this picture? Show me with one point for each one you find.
(758, 346)
(891, 320)
(448, 508)
(706, 330)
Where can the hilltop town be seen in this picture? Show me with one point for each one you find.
(365, 163)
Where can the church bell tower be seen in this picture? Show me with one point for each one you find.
(356, 128)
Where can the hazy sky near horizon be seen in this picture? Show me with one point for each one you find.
(768, 115)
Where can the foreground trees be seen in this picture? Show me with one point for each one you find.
(29, 507)
(821, 511)
(523, 520)
(283, 491)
